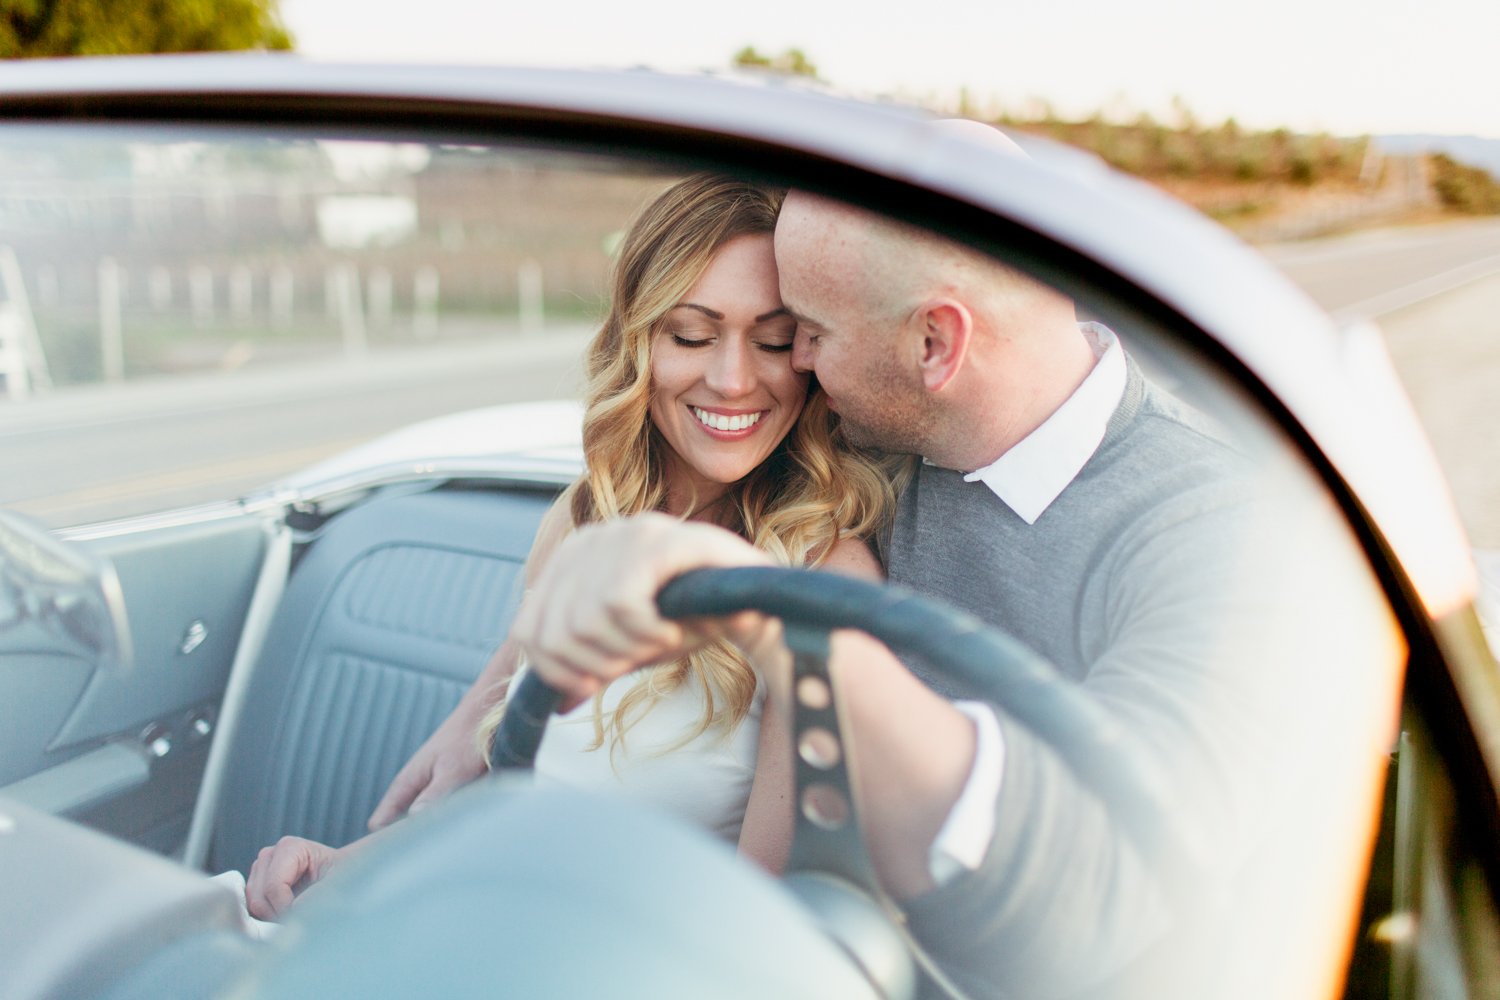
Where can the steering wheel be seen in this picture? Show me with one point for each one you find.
(981, 662)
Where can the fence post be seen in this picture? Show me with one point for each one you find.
(201, 294)
(529, 296)
(380, 295)
(281, 295)
(351, 309)
(111, 327)
(424, 302)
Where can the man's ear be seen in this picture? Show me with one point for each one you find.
(946, 328)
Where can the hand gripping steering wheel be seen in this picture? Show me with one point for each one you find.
(981, 662)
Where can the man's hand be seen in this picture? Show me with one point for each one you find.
(592, 616)
(284, 870)
(447, 761)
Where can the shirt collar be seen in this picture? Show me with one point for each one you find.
(1035, 470)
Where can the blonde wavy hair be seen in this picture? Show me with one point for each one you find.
(813, 490)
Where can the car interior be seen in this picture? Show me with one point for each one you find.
(288, 652)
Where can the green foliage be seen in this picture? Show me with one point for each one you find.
(1236, 174)
(1463, 188)
(750, 58)
(1236, 210)
(792, 62)
(1249, 168)
(1226, 152)
(40, 28)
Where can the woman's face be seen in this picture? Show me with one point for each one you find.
(723, 390)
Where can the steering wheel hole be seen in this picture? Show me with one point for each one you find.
(819, 748)
(813, 693)
(825, 806)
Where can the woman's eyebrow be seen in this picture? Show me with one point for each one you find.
(714, 314)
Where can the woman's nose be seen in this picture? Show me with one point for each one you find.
(731, 370)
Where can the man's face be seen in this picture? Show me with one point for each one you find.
(860, 354)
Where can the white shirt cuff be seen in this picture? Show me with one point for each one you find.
(961, 844)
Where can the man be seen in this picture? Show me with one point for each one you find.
(1063, 499)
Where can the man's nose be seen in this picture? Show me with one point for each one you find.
(802, 353)
(731, 371)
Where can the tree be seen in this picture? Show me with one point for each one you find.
(39, 28)
(792, 62)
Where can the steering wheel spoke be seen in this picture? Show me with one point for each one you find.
(827, 836)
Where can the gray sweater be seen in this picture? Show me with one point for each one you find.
(1138, 582)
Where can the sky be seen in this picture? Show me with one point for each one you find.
(1349, 67)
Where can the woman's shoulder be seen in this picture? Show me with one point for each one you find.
(852, 556)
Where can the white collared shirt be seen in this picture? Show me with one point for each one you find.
(1035, 470)
(1027, 478)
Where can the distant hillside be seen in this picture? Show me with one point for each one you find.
(1280, 185)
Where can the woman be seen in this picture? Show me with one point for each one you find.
(694, 409)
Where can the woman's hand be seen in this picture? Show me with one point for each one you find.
(450, 757)
(592, 616)
(283, 870)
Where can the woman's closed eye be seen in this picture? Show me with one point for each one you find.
(691, 333)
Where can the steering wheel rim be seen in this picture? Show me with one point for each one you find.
(983, 662)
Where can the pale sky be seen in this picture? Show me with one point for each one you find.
(1347, 66)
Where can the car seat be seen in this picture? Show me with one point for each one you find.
(388, 616)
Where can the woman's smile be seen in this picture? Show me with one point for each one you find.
(728, 425)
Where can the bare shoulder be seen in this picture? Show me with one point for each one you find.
(853, 557)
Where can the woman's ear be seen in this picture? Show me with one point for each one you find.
(946, 328)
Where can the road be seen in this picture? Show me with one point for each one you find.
(1435, 292)
(1376, 273)
(90, 453)
(86, 454)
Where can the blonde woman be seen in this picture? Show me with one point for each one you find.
(693, 409)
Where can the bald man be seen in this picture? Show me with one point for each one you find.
(1063, 499)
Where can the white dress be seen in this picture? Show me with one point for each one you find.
(705, 781)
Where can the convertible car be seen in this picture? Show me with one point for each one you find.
(289, 354)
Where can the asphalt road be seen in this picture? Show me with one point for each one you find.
(1382, 271)
(1435, 292)
(87, 454)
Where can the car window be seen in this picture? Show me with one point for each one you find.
(189, 316)
(192, 315)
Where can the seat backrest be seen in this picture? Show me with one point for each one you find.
(387, 619)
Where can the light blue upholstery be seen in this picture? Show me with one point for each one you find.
(386, 620)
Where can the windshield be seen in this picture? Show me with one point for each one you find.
(187, 316)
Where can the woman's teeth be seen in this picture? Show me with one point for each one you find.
(720, 422)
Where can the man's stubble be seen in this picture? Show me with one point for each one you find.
(889, 412)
